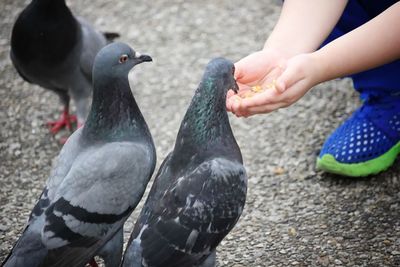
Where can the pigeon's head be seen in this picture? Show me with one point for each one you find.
(222, 70)
(116, 60)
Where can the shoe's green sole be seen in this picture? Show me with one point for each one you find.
(370, 167)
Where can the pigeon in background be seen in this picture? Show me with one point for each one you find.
(99, 178)
(199, 192)
(55, 50)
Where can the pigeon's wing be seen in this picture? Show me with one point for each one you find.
(29, 249)
(18, 68)
(194, 214)
(63, 164)
(93, 201)
(92, 42)
(163, 179)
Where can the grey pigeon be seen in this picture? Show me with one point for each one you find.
(99, 178)
(199, 192)
(55, 50)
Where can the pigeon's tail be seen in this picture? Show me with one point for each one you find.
(133, 255)
(32, 259)
(111, 36)
(210, 261)
(112, 250)
(28, 251)
(78, 254)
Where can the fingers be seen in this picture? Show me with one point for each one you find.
(285, 79)
(230, 93)
(240, 103)
(263, 109)
(232, 97)
(233, 103)
(241, 107)
(267, 97)
(242, 111)
(264, 102)
(280, 85)
(294, 72)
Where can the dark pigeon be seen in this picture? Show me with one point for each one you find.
(200, 190)
(100, 176)
(55, 50)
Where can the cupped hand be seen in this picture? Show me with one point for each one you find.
(257, 69)
(294, 78)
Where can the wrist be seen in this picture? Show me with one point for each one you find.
(319, 68)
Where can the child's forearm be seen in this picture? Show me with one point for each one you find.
(303, 25)
(373, 44)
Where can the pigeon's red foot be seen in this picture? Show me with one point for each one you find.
(93, 263)
(63, 140)
(66, 120)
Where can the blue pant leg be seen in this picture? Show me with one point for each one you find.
(384, 79)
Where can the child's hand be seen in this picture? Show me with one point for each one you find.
(257, 69)
(295, 77)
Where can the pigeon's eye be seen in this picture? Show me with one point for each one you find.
(233, 70)
(123, 58)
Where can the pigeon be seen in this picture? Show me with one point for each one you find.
(54, 49)
(199, 192)
(100, 176)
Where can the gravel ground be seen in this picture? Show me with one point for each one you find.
(295, 216)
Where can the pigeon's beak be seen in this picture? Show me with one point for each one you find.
(145, 58)
(235, 87)
(142, 58)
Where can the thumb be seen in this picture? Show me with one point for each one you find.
(239, 73)
(286, 79)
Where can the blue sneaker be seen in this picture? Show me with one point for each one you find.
(366, 143)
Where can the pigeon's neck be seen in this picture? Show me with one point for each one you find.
(115, 115)
(205, 125)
